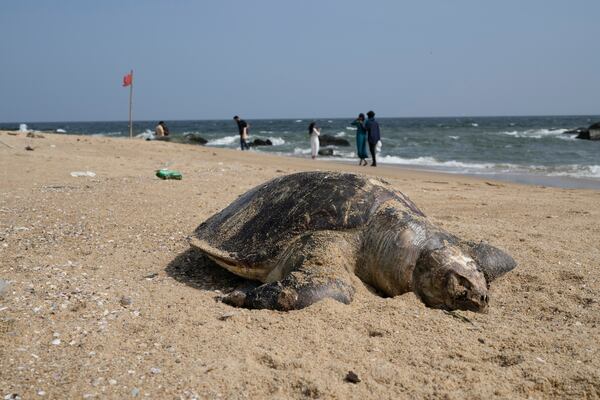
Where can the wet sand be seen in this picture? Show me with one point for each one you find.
(103, 297)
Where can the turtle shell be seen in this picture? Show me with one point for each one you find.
(257, 226)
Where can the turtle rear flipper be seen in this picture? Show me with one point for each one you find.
(313, 268)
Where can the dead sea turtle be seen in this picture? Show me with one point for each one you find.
(304, 235)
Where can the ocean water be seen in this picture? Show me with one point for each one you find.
(526, 149)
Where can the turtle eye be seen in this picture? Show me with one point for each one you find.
(462, 295)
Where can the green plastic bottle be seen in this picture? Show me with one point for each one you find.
(168, 174)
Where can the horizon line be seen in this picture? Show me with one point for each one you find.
(306, 118)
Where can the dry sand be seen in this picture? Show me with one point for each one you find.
(106, 300)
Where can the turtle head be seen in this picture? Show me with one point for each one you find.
(449, 279)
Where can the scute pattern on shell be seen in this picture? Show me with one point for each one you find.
(259, 224)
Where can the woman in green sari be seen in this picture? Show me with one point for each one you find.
(361, 139)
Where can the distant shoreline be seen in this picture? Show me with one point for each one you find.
(564, 182)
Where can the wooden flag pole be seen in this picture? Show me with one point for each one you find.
(130, 106)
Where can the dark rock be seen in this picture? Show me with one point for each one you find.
(575, 131)
(352, 377)
(326, 152)
(29, 148)
(583, 135)
(195, 138)
(590, 133)
(261, 142)
(328, 140)
(594, 131)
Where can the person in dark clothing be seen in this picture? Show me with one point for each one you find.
(373, 135)
(243, 130)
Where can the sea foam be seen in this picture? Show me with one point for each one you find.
(224, 141)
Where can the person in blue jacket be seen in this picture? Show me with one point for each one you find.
(361, 139)
(373, 135)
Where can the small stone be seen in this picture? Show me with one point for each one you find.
(352, 377)
(112, 381)
(481, 340)
(540, 360)
(125, 301)
(155, 370)
(4, 286)
(41, 393)
(135, 392)
(12, 396)
(227, 315)
(151, 276)
(55, 342)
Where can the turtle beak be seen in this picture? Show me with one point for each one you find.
(467, 293)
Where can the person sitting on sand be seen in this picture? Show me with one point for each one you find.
(159, 130)
(314, 132)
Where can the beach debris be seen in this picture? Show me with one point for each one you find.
(125, 301)
(76, 174)
(375, 333)
(493, 184)
(169, 174)
(4, 286)
(227, 315)
(352, 377)
(35, 135)
(28, 148)
(12, 396)
(458, 316)
(151, 276)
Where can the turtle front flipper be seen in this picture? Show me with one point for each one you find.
(314, 267)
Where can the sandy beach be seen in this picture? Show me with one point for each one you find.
(101, 296)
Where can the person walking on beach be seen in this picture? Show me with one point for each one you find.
(361, 139)
(314, 132)
(243, 130)
(373, 135)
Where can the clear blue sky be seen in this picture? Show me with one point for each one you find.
(64, 60)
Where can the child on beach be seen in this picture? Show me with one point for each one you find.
(314, 133)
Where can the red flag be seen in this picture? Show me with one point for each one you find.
(128, 79)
